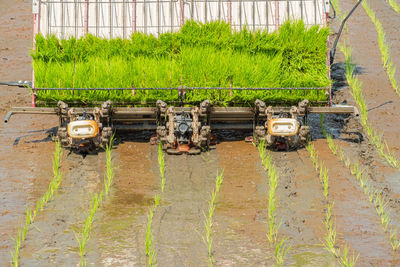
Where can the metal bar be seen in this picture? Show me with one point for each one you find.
(229, 4)
(240, 14)
(266, 14)
(110, 14)
(87, 17)
(287, 9)
(190, 88)
(48, 17)
(192, 10)
(97, 18)
(253, 10)
(224, 113)
(171, 14)
(205, 11)
(136, 127)
(62, 20)
(155, 27)
(123, 19)
(75, 19)
(301, 9)
(276, 15)
(181, 14)
(167, 1)
(36, 6)
(315, 11)
(134, 16)
(219, 9)
(145, 17)
(158, 18)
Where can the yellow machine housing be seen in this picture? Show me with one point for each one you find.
(283, 127)
(83, 129)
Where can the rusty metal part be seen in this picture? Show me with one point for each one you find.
(217, 113)
(205, 107)
(106, 134)
(195, 138)
(63, 137)
(182, 92)
(304, 134)
(260, 133)
(202, 121)
(294, 112)
(269, 112)
(161, 107)
(260, 106)
(171, 139)
(303, 107)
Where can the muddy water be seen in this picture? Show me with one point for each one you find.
(390, 20)
(383, 102)
(240, 218)
(356, 220)
(300, 209)
(178, 222)
(118, 237)
(380, 176)
(25, 150)
(51, 239)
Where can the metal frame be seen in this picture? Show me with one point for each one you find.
(170, 15)
(244, 113)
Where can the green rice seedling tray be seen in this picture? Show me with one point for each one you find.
(199, 55)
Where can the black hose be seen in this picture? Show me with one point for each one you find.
(334, 11)
(333, 50)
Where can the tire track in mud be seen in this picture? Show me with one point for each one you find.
(178, 227)
(300, 209)
(356, 220)
(240, 218)
(382, 100)
(50, 239)
(118, 237)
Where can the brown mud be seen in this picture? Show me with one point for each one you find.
(383, 102)
(240, 218)
(380, 176)
(119, 232)
(300, 209)
(51, 239)
(26, 149)
(357, 222)
(390, 21)
(178, 223)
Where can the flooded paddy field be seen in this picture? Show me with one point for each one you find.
(174, 215)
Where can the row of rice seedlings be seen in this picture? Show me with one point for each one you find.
(31, 213)
(97, 200)
(355, 89)
(394, 5)
(150, 250)
(161, 162)
(388, 64)
(344, 259)
(208, 223)
(280, 247)
(375, 196)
